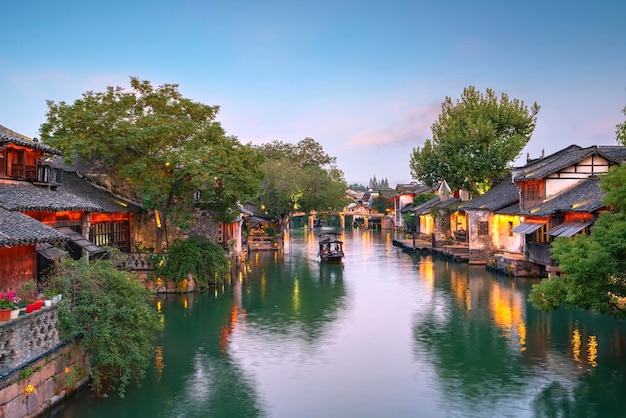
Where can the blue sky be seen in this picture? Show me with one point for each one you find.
(366, 79)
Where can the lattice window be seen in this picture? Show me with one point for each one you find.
(483, 228)
(112, 234)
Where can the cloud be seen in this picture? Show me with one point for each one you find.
(413, 127)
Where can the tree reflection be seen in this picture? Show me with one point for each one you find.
(492, 351)
(295, 297)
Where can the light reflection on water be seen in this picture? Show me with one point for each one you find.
(387, 334)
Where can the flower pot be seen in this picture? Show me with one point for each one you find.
(47, 302)
(38, 304)
(30, 307)
(15, 313)
(5, 314)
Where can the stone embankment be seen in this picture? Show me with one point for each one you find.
(36, 369)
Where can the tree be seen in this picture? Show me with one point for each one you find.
(474, 140)
(357, 187)
(423, 198)
(594, 265)
(109, 315)
(300, 177)
(620, 131)
(166, 146)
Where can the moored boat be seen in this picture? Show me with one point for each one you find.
(331, 248)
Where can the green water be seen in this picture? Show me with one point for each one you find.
(388, 334)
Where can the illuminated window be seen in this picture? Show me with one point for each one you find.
(112, 234)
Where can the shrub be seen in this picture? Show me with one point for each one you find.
(110, 316)
(203, 258)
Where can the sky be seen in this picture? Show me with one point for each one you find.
(364, 78)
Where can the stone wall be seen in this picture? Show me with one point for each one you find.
(31, 390)
(515, 265)
(478, 256)
(36, 369)
(27, 337)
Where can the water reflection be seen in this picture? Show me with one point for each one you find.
(386, 334)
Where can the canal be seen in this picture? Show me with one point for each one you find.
(388, 334)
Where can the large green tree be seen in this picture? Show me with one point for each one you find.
(165, 145)
(594, 265)
(300, 177)
(474, 140)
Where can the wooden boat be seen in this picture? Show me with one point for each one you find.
(331, 248)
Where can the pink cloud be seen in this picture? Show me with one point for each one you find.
(413, 127)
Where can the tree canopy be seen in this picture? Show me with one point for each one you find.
(474, 140)
(594, 265)
(300, 177)
(165, 145)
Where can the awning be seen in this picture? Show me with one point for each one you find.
(528, 227)
(49, 251)
(78, 239)
(567, 229)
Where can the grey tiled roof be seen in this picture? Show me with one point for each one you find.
(19, 229)
(7, 136)
(585, 197)
(24, 196)
(416, 188)
(450, 203)
(509, 210)
(109, 203)
(499, 196)
(617, 152)
(566, 157)
(425, 207)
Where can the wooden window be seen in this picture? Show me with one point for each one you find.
(16, 163)
(31, 165)
(533, 193)
(483, 228)
(111, 234)
(510, 228)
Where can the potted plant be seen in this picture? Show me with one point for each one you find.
(7, 304)
(48, 296)
(28, 296)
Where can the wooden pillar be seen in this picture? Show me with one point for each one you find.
(86, 229)
(342, 221)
